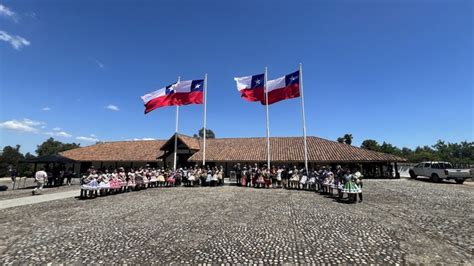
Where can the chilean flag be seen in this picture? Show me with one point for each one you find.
(251, 88)
(179, 93)
(283, 88)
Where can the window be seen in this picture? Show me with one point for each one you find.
(427, 165)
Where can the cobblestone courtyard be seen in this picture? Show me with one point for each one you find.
(400, 221)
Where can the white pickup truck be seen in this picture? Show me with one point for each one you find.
(438, 171)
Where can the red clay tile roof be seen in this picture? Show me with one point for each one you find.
(287, 149)
(283, 149)
(192, 143)
(143, 150)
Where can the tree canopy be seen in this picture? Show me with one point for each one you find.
(347, 139)
(209, 134)
(11, 156)
(462, 152)
(51, 146)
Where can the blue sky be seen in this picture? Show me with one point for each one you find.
(395, 71)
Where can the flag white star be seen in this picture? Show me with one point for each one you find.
(257, 81)
(293, 78)
(197, 86)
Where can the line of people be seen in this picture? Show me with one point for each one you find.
(335, 182)
(102, 182)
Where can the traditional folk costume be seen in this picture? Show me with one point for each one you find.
(260, 181)
(243, 179)
(295, 178)
(303, 179)
(139, 180)
(161, 178)
(115, 182)
(328, 182)
(191, 177)
(171, 180)
(90, 185)
(279, 176)
(312, 180)
(104, 185)
(215, 177)
(152, 178)
(350, 185)
(131, 180)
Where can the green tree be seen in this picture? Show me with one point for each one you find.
(347, 139)
(10, 157)
(51, 146)
(209, 134)
(389, 148)
(370, 144)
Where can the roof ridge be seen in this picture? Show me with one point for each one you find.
(278, 137)
(138, 140)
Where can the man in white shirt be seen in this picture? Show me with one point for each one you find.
(40, 177)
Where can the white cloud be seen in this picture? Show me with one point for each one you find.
(7, 12)
(16, 42)
(46, 108)
(57, 129)
(89, 139)
(95, 60)
(30, 122)
(136, 139)
(25, 125)
(112, 107)
(59, 134)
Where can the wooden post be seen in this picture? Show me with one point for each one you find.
(397, 174)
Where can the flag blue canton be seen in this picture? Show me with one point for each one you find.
(197, 85)
(257, 81)
(170, 89)
(293, 78)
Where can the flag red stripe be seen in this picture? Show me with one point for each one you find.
(195, 97)
(252, 95)
(291, 91)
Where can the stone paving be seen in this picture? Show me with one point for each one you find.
(400, 221)
(24, 187)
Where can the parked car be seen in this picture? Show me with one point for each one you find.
(438, 171)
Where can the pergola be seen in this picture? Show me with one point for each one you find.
(48, 159)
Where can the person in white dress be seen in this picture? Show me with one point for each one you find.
(40, 177)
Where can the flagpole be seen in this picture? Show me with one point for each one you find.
(304, 121)
(205, 110)
(268, 121)
(176, 135)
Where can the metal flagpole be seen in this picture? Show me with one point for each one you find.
(205, 110)
(268, 121)
(304, 120)
(176, 135)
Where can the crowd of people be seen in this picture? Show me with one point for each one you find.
(333, 181)
(118, 180)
